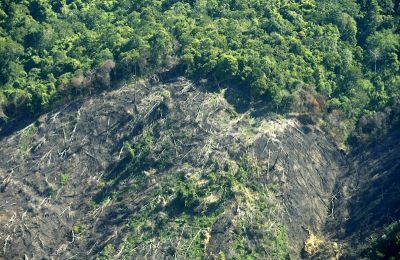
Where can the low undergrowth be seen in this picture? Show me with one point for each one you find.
(388, 245)
(179, 214)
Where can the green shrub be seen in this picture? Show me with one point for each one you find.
(64, 179)
(388, 245)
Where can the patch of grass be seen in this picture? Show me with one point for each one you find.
(64, 179)
(260, 235)
(25, 138)
(180, 213)
(259, 232)
(131, 166)
(108, 252)
(78, 229)
(175, 214)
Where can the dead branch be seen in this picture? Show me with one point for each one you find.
(6, 181)
(65, 136)
(23, 215)
(67, 208)
(122, 248)
(61, 248)
(43, 201)
(186, 88)
(5, 244)
(194, 238)
(101, 208)
(91, 249)
(73, 133)
(47, 155)
(298, 130)
(114, 234)
(273, 166)
(108, 128)
(73, 236)
(54, 116)
(333, 198)
(151, 110)
(150, 245)
(91, 156)
(179, 241)
(269, 157)
(175, 146)
(145, 206)
(245, 232)
(11, 220)
(266, 146)
(35, 147)
(63, 153)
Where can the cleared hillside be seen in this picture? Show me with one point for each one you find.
(172, 170)
(163, 170)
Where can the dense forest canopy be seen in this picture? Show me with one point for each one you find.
(339, 57)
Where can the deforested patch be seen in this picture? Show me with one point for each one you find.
(166, 170)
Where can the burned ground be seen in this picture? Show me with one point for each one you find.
(367, 197)
(171, 170)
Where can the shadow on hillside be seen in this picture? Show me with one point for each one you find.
(376, 204)
(368, 195)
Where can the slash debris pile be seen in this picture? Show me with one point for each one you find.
(166, 170)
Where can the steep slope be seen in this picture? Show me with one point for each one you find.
(367, 197)
(166, 170)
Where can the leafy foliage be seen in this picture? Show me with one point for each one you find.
(346, 51)
(64, 179)
(388, 245)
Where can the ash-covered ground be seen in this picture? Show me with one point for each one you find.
(173, 171)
